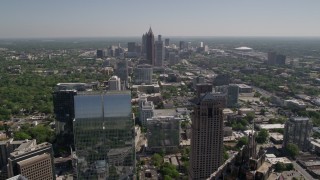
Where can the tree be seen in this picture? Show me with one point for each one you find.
(250, 116)
(157, 159)
(257, 94)
(262, 136)
(242, 141)
(292, 150)
(280, 166)
(21, 136)
(262, 112)
(289, 167)
(170, 170)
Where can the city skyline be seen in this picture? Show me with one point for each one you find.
(48, 19)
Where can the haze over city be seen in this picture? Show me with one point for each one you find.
(159, 90)
(37, 18)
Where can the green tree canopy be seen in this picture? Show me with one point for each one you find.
(292, 150)
(262, 136)
(242, 141)
(157, 159)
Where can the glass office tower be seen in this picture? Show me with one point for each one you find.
(104, 136)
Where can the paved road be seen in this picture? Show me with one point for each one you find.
(262, 91)
(302, 171)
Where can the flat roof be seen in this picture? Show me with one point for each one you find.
(271, 126)
(34, 159)
(165, 112)
(299, 118)
(275, 160)
(243, 48)
(276, 136)
(264, 167)
(243, 86)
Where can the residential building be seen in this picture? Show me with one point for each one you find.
(33, 161)
(207, 135)
(104, 136)
(143, 74)
(114, 83)
(297, 130)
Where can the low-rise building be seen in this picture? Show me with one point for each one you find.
(276, 138)
(243, 88)
(294, 104)
(270, 126)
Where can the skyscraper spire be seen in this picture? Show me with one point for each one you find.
(150, 31)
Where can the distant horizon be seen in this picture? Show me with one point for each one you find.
(163, 37)
(126, 18)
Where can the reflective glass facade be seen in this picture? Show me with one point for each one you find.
(104, 136)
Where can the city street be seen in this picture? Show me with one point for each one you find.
(302, 171)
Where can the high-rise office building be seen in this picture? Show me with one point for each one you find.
(233, 95)
(172, 59)
(122, 70)
(144, 46)
(159, 52)
(131, 47)
(104, 136)
(148, 47)
(197, 80)
(100, 53)
(114, 83)
(281, 59)
(203, 88)
(297, 130)
(163, 134)
(201, 44)
(143, 74)
(7, 147)
(182, 45)
(167, 42)
(33, 161)
(272, 56)
(63, 107)
(207, 135)
(221, 79)
(146, 111)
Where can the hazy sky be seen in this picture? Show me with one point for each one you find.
(87, 18)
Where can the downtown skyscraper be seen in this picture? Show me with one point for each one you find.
(148, 47)
(207, 135)
(104, 136)
(159, 46)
